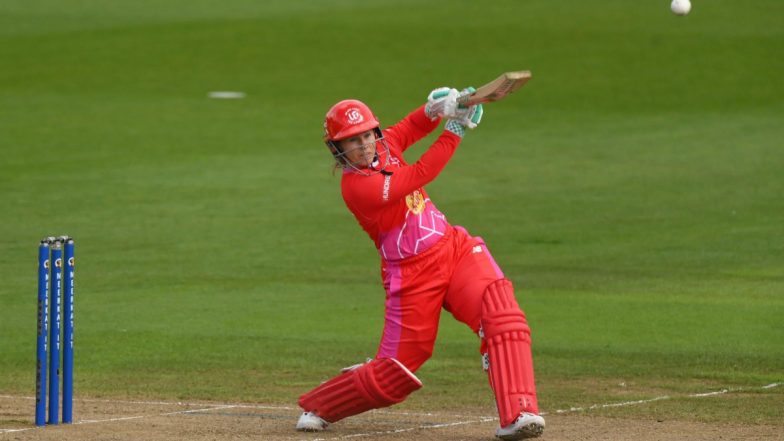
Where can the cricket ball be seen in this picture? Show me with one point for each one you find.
(680, 7)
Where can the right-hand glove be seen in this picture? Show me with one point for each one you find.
(441, 102)
(469, 118)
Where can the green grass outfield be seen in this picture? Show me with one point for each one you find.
(633, 191)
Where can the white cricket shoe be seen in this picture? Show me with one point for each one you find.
(310, 422)
(527, 425)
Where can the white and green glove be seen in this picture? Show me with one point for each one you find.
(471, 119)
(464, 117)
(441, 102)
(468, 116)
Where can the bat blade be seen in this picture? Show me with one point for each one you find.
(497, 89)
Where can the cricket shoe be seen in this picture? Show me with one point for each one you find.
(527, 425)
(310, 422)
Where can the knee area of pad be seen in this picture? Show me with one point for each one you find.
(372, 385)
(386, 381)
(500, 311)
(499, 339)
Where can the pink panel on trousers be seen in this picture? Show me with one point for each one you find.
(393, 320)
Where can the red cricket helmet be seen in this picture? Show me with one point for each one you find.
(348, 118)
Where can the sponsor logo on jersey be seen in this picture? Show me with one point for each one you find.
(415, 202)
(385, 193)
(354, 116)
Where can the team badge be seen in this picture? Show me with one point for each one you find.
(415, 202)
(354, 116)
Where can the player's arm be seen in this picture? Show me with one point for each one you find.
(380, 189)
(422, 121)
(411, 177)
(415, 126)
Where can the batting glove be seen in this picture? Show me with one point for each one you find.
(470, 118)
(455, 127)
(441, 102)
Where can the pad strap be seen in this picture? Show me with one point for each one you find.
(378, 383)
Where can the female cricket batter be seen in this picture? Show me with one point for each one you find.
(426, 264)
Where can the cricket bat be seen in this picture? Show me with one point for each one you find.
(497, 89)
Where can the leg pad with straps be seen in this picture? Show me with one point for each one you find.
(378, 383)
(507, 340)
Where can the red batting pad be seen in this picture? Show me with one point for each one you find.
(379, 383)
(508, 342)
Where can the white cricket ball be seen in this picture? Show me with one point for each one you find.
(680, 7)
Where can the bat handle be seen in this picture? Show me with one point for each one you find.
(463, 98)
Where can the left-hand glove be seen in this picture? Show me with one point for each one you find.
(441, 102)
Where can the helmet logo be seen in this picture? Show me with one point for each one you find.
(354, 116)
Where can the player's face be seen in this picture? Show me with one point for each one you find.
(360, 150)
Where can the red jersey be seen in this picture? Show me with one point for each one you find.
(393, 207)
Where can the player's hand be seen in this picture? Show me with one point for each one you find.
(441, 102)
(469, 117)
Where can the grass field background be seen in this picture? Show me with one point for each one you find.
(632, 191)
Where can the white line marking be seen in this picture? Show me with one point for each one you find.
(629, 403)
(135, 417)
(161, 403)
(409, 429)
(181, 403)
(159, 414)
(475, 420)
(427, 414)
(663, 397)
(708, 394)
(603, 406)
